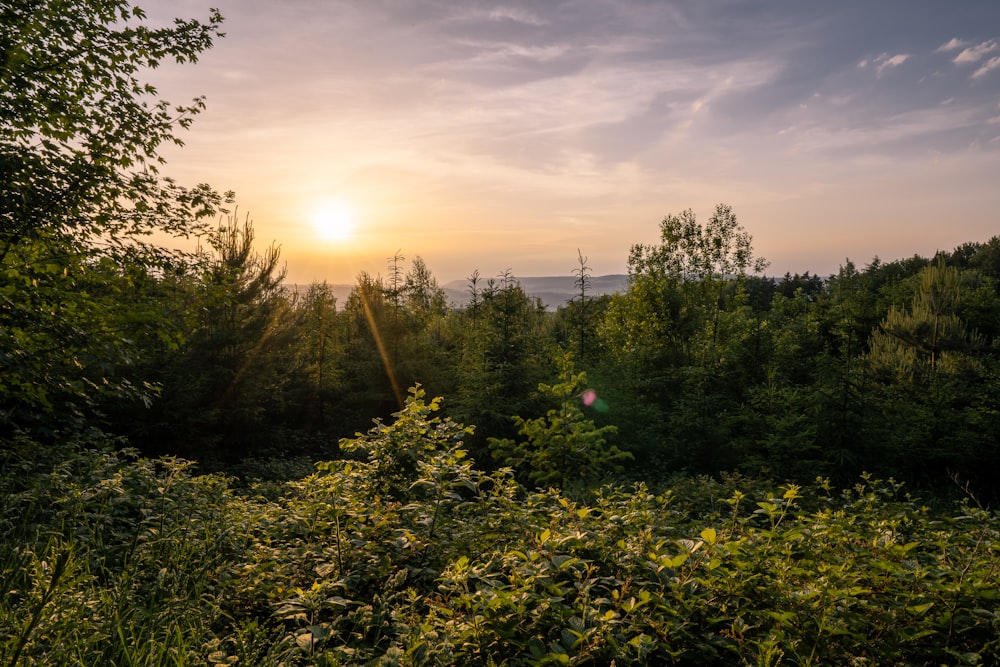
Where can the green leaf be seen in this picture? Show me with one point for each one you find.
(677, 560)
(919, 609)
(570, 638)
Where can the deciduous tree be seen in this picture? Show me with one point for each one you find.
(80, 187)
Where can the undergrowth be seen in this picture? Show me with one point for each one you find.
(409, 555)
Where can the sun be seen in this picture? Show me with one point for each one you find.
(335, 220)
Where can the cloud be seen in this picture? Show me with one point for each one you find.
(893, 61)
(974, 54)
(971, 55)
(516, 15)
(988, 66)
(951, 45)
(884, 60)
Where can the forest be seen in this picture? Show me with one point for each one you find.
(201, 466)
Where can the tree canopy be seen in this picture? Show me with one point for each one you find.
(81, 191)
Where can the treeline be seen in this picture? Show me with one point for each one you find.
(698, 367)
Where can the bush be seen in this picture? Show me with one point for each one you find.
(111, 559)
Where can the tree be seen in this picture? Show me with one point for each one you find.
(424, 297)
(704, 256)
(368, 362)
(79, 140)
(428, 346)
(319, 354)
(225, 390)
(563, 448)
(987, 258)
(930, 330)
(582, 282)
(840, 389)
(720, 249)
(475, 298)
(930, 371)
(670, 322)
(394, 292)
(504, 355)
(80, 188)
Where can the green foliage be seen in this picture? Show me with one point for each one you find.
(223, 387)
(80, 193)
(718, 250)
(504, 353)
(368, 367)
(404, 551)
(79, 140)
(108, 559)
(563, 449)
(318, 348)
(395, 454)
(63, 341)
(931, 332)
(581, 308)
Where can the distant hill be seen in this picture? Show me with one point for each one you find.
(554, 291)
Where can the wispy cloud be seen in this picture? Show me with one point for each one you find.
(974, 54)
(519, 113)
(887, 135)
(883, 61)
(988, 66)
(951, 45)
(516, 15)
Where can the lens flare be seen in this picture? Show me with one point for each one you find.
(592, 400)
(386, 361)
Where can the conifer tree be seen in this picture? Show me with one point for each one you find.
(320, 354)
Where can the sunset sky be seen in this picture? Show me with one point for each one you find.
(492, 136)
